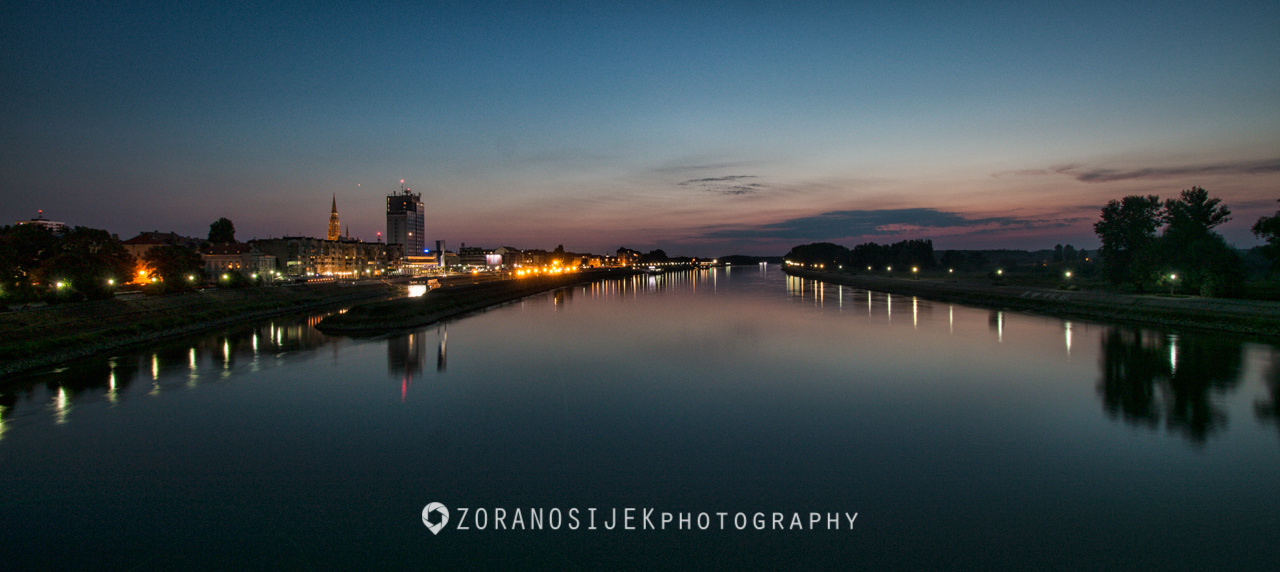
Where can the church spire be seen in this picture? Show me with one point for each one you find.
(335, 227)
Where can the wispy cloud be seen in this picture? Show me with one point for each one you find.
(703, 167)
(1101, 175)
(727, 185)
(836, 225)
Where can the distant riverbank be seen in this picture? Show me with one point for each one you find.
(42, 337)
(1241, 316)
(451, 301)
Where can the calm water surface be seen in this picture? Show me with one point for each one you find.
(962, 438)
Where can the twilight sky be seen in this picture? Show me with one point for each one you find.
(704, 128)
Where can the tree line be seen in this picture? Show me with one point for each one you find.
(85, 263)
(903, 254)
(1148, 242)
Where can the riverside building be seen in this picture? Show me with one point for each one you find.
(405, 222)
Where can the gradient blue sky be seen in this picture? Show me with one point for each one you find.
(704, 128)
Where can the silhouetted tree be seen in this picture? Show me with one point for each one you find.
(88, 261)
(1057, 253)
(23, 249)
(179, 268)
(953, 259)
(1068, 253)
(1202, 259)
(824, 253)
(222, 231)
(1128, 232)
(1268, 228)
(1194, 212)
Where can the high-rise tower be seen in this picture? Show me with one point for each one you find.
(405, 222)
(335, 228)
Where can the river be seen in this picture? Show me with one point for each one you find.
(733, 418)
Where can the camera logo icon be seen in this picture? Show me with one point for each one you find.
(435, 516)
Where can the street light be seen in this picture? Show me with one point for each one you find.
(1068, 274)
(1173, 282)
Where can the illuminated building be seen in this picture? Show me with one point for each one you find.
(405, 222)
(301, 257)
(335, 228)
(242, 258)
(53, 226)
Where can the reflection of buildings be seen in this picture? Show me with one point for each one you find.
(442, 356)
(405, 355)
(404, 359)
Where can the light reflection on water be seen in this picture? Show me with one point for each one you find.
(700, 389)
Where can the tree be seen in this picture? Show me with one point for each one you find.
(824, 253)
(87, 261)
(23, 249)
(92, 261)
(1128, 232)
(180, 269)
(222, 231)
(1194, 212)
(1189, 247)
(1268, 228)
(953, 259)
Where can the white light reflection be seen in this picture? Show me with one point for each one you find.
(1066, 326)
(915, 312)
(111, 381)
(951, 319)
(3, 428)
(1000, 327)
(1173, 352)
(155, 367)
(60, 405)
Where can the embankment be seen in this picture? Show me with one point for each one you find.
(46, 336)
(1241, 316)
(450, 301)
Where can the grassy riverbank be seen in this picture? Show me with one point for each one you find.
(46, 336)
(451, 301)
(1241, 316)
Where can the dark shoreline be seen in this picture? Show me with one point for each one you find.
(452, 301)
(49, 336)
(1259, 318)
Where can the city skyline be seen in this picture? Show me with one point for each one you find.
(702, 128)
